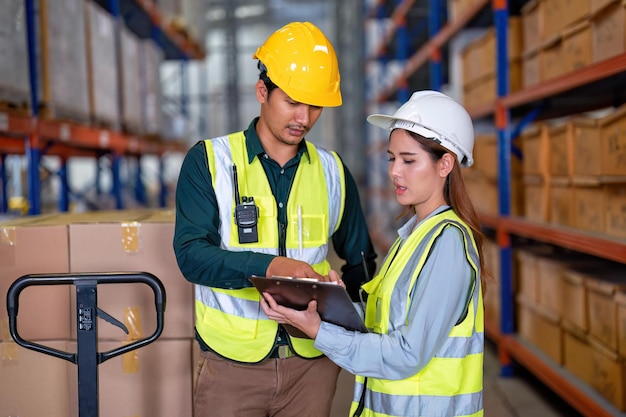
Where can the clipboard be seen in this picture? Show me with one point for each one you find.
(333, 302)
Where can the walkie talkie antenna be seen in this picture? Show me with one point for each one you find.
(236, 185)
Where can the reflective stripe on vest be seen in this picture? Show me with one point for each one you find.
(231, 322)
(451, 383)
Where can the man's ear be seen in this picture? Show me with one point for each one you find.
(261, 92)
(446, 164)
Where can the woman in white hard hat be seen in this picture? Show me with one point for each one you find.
(424, 353)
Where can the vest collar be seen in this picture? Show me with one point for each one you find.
(255, 149)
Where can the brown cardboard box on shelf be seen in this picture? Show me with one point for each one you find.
(613, 143)
(551, 58)
(576, 45)
(527, 258)
(154, 380)
(615, 220)
(560, 146)
(142, 244)
(576, 309)
(536, 198)
(530, 68)
(607, 30)
(531, 32)
(32, 245)
(601, 289)
(587, 156)
(541, 328)
(575, 11)
(590, 207)
(620, 300)
(609, 374)
(551, 17)
(561, 196)
(535, 150)
(576, 350)
(551, 271)
(33, 383)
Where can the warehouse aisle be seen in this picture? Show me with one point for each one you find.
(517, 396)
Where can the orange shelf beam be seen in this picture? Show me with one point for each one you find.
(602, 246)
(578, 78)
(563, 385)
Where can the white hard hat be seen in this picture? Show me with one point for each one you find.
(434, 115)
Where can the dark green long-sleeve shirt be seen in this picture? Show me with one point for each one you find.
(197, 238)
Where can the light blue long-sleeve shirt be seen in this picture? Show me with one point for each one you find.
(438, 300)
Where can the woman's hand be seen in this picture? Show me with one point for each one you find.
(308, 321)
(333, 276)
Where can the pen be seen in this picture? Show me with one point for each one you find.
(300, 230)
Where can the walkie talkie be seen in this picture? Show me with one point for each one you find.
(246, 214)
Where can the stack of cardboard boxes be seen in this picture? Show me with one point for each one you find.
(155, 380)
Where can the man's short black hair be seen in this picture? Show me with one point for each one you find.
(269, 84)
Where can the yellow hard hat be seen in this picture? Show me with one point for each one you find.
(302, 62)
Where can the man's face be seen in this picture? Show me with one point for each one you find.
(287, 120)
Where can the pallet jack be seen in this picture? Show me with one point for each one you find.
(87, 356)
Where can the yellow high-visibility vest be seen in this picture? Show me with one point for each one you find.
(451, 384)
(231, 322)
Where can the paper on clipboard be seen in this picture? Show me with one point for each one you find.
(333, 302)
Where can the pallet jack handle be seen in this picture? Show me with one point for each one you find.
(87, 356)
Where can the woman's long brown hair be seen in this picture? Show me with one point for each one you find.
(457, 197)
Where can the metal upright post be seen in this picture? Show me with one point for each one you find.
(117, 181)
(402, 54)
(434, 26)
(33, 154)
(63, 203)
(501, 19)
(4, 196)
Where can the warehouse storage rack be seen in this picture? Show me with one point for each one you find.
(589, 88)
(27, 133)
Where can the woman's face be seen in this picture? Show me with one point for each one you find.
(418, 181)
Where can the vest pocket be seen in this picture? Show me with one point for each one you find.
(312, 228)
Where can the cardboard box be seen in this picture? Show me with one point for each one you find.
(535, 150)
(575, 348)
(142, 243)
(561, 143)
(531, 68)
(576, 309)
(587, 155)
(609, 375)
(541, 328)
(154, 381)
(30, 246)
(607, 31)
(576, 47)
(527, 258)
(613, 143)
(562, 209)
(601, 289)
(531, 27)
(590, 207)
(536, 198)
(620, 300)
(33, 383)
(615, 220)
(551, 59)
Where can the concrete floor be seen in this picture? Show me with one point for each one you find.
(516, 396)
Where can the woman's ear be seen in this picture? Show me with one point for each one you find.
(446, 164)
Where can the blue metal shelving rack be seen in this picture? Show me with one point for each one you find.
(145, 22)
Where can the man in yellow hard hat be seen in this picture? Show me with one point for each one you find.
(265, 201)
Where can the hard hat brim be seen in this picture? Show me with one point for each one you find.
(390, 122)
